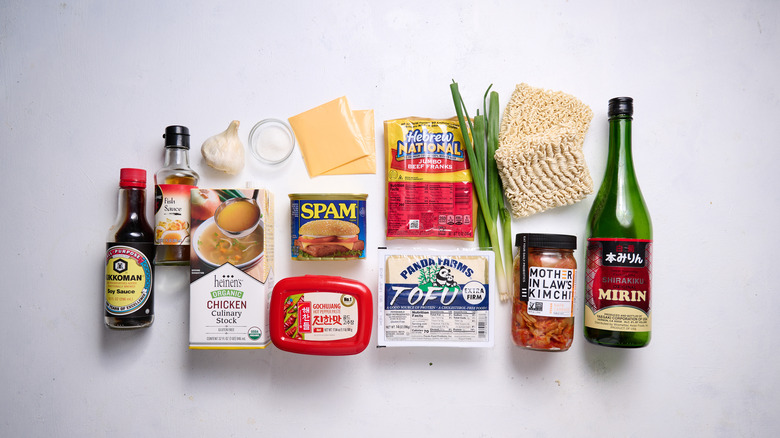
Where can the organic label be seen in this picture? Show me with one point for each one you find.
(128, 278)
(618, 284)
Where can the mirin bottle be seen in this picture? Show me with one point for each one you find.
(129, 298)
(172, 199)
(620, 246)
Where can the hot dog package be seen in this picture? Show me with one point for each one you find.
(429, 191)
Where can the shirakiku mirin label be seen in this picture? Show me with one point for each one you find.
(129, 279)
(435, 298)
(618, 285)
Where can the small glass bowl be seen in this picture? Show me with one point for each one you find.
(271, 141)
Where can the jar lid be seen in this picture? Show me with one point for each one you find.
(560, 241)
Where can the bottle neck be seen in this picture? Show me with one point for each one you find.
(619, 161)
(177, 158)
(131, 205)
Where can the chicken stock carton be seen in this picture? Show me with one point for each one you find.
(231, 268)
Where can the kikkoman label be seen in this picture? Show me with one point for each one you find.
(618, 285)
(128, 278)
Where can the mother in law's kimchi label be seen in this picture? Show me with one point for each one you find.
(429, 190)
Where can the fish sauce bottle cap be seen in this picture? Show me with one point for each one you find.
(177, 136)
(621, 106)
(131, 178)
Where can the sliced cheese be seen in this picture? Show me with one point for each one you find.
(329, 136)
(367, 164)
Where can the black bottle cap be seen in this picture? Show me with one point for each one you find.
(621, 106)
(177, 136)
(559, 241)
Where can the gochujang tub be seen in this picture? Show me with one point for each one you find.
(323, 315)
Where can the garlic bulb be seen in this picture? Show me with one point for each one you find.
(225, 151)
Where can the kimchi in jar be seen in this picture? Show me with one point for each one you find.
(544, 283)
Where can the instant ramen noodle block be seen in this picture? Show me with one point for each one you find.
(231, 268)
(540, 157)
(429, 191)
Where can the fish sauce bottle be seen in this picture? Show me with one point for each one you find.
(129, 283)
(620, 246)
(172, 199)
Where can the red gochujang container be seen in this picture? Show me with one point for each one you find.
(323, 315)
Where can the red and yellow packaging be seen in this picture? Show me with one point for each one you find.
(429, 191)
(322, 315)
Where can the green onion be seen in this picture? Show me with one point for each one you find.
(226, 194)
(495, 186)
(492, 200)
(480, 151)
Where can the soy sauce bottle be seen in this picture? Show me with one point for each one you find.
(620, 246)
(129, 301)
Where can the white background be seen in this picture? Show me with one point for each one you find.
(89, 86)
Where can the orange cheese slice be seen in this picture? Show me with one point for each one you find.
(367, 164)
(328, 136)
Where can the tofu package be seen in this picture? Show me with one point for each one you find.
(231, 268)
(436, 298)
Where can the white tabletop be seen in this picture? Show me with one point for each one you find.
(88, 88)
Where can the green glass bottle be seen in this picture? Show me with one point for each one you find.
(620, 246)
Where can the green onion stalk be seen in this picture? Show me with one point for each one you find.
(496, 187)
(485, 179)
(480, 151)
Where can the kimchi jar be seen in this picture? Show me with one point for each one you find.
(544, 283)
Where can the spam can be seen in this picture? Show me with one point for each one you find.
(328, 226)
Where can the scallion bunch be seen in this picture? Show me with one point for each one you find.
(481, 139)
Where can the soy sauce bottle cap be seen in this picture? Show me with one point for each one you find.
(621, 106)
(129, 177)
(177, 136)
